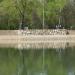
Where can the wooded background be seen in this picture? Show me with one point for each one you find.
(16, 14)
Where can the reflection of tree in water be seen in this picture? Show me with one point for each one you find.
(56, 62)
(8, 61)
(64, 60)
(69, 60)
(30, 62)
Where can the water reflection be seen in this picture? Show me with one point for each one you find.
(37, 61)
(38, 45)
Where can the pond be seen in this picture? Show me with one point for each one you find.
(43, 61)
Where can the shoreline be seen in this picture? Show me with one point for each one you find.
(11, 38)
(31, 41)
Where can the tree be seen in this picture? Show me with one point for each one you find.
(15, 14)
(21, 6)
(8, 15)
(53, 12)
(68, 15)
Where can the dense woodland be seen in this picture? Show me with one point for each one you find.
(37, 14)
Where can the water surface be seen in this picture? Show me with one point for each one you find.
(42, 61)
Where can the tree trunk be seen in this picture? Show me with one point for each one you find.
(22, 24)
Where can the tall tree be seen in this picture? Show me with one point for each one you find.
(68, 14)
(53, 9)
(21, 6)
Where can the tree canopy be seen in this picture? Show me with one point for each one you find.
(15, 14)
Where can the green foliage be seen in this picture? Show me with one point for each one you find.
(29, 13)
